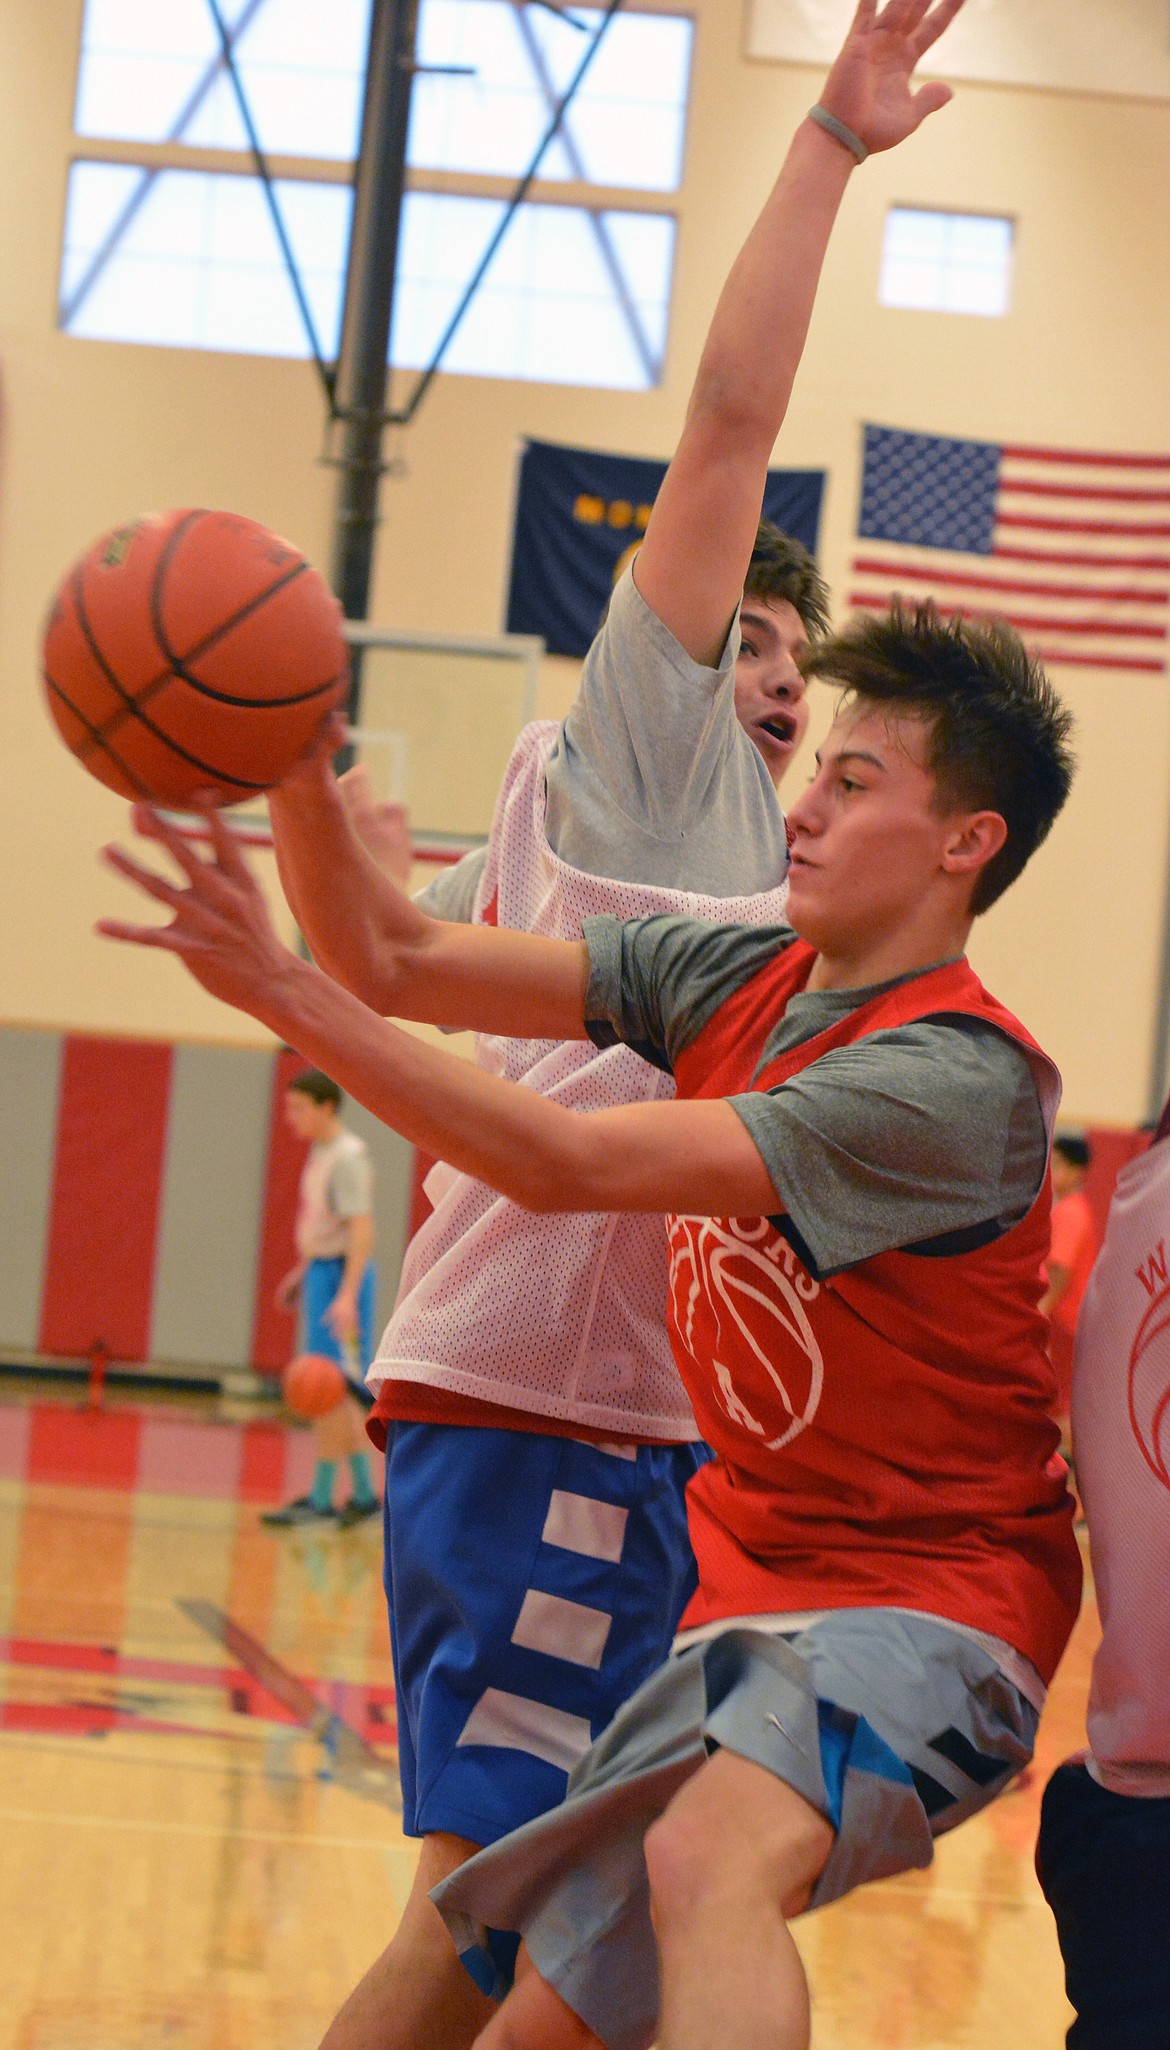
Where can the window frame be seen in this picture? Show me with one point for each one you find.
(592, 200)
(949, 213)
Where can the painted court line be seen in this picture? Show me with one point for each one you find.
(42, 1816)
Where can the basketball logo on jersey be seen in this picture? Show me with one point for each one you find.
(1149, 1379)
(737, 1298)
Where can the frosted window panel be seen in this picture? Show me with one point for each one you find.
(642, 149)
(916, 237)
(559, 251)
(953, 263)
(583, 342)
(301, 64)
(626, 120)
(318, 35)
(142, 301)
(975, 289)
(645, 245)
(547, 308)
(654, 50)
(131, 96)
(252, 312)
(199, 263)
(915, 285)
(179, 28)
(491, 339)
(444, 238)
(975, 239)
(97, 195)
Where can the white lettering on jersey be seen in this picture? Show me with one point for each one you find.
(748, 1275)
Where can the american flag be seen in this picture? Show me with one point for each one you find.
(1071, 545)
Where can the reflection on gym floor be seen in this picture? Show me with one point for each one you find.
(200, 1845)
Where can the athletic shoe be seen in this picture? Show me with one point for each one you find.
(303, 1510)
(356, 1512)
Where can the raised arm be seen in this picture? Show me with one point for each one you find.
(691, 566)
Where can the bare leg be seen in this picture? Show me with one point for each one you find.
(533, 2017)
(416, 1996)
(341, 1431)
(736, 1854)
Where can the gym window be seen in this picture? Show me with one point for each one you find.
(169, 238)
(946, 262)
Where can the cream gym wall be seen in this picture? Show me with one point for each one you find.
(94, 432)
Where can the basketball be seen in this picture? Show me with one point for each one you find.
(312, 1385)
(192, 650)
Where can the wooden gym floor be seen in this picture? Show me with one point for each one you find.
(199, 1822)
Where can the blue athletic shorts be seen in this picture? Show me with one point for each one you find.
(532, 1583)
(319, 1285)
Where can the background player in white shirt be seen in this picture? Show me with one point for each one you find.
(1104, 1852)
(333, 1287)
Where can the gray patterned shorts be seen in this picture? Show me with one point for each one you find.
(892, 1725)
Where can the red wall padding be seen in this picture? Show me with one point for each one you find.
(107, 1182)
(274, 1335)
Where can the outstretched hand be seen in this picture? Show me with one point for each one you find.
(221, 928)
(869, 86)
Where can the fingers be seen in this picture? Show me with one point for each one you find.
(354, 785)
(229, 857)
(929, 98)
(151, 825)
(138, 935)
(933, 26)
(145, 879)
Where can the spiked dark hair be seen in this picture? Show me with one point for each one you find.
(782, 567)
(1000, 736)
(321, 1088)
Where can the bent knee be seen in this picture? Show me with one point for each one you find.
(736, 1830)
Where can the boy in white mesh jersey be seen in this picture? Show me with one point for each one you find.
(538, 1438)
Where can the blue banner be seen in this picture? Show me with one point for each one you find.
(579, 517)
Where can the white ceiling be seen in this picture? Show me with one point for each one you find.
(1098, 46)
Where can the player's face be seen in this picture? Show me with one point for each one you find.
(868, 840)
(307, 1119)
(770, 700)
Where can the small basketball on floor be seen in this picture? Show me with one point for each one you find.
(190, 651)
(312, 1385)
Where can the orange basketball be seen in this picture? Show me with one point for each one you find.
(312, 1385)
(191, 651)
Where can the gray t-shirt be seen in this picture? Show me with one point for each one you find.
(451, 894)
(652, 778)
(926, 1136)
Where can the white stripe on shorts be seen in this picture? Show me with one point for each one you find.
(562, 1629)
(512, 1723)
(579, 1524)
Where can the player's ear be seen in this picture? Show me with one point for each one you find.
(976, 839)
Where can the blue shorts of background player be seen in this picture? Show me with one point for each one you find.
(319, 1285)
(532, 1582)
